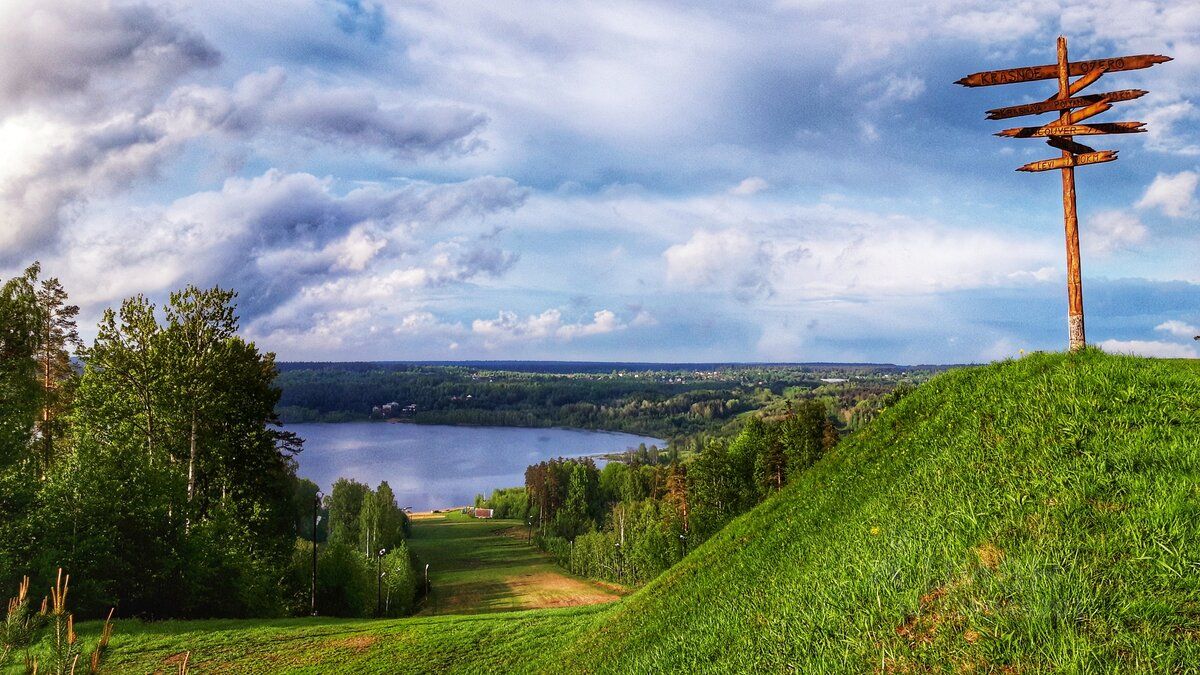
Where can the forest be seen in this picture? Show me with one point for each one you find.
(668, 401)
(151, 466)
(637, 516)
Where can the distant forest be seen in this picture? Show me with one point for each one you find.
(663, 400)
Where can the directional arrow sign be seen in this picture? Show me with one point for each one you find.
(1068, 145)
(1050, 72)
(1057, 104)
(1071, 161)
(1085, 81)
(1074, 130)
(1084, 113)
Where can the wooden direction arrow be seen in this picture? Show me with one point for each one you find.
(1084, 113)
(1069, 145)
(1078, 85)
(1050, 72)
(1068, 161)
(1056, 104)
(1074, 130)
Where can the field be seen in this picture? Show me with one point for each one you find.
(1030, 516)
(478, 566)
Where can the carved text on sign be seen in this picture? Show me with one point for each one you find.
(1054, 105)
(1049, 72)
(1075, 130)
(1071, 161)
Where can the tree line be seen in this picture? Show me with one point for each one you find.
(154, 467)
(633, 519)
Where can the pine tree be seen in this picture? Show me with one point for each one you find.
(58, 334)
(677, 493)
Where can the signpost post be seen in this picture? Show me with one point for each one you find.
(1072, 110)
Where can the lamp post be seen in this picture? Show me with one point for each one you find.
(316, 520)
(683, 545)
(379, 581)
(529, 536)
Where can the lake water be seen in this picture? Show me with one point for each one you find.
(432, 467)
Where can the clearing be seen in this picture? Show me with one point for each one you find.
(478, 566)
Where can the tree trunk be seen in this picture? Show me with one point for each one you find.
(191, 484)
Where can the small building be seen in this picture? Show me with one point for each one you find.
(482, 513)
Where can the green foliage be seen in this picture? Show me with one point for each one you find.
(346, 581)
(20, 339)
(400, 582)
(157, 475)
(670, 402)
(651, 514)
(508, 503)
(1030, 516)
(344, 585)
(345, 503)
(46, 638)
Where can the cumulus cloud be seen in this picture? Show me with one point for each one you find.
(1154, 348)
(750, 186)
(1113, 230)
(355, 116)
(54, 166)
(508, 326)
(1173, 194)
(1178, 329)
(827, 252)
(106, 52)
(295, 247)
(727, 259)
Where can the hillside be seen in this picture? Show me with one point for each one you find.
(1034, 515)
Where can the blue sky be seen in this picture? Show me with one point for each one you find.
(658, 181)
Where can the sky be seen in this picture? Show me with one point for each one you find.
(569, 180)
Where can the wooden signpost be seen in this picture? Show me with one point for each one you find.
(1072, 111)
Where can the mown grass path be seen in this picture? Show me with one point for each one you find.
(478, 566)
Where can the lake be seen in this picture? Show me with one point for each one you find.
(432, 466)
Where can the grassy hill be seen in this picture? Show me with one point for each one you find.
(1028, 516)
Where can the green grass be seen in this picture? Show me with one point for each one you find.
(475, 566)
(1031, 516)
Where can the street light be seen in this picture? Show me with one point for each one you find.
(529, 537)
(379, 580)
(316, 520)
(683, 545)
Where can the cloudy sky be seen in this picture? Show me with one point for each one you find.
(794, 180)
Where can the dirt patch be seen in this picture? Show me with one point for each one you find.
(551, 589)
(518, 532)
(356, 642)
(990, 555)
(920, 629)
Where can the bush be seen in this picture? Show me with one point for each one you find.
(346, 583)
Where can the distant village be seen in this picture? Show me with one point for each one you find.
(393, 410)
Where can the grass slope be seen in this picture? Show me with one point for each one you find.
(1042, 514)
(1028, 516)
(476, 567)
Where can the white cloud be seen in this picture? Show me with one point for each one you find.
(750, 186)
(1173, 194)
(791, 253)
(902, 88)
(1165, 350)
(723, 259)
(507, 326)
(84, 56)
(1109, 231)
(1178, 329)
